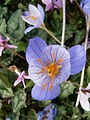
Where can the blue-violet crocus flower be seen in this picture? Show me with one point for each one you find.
(84, 96)
(85, 6)
(48, 113)
(51, 4)
(51, 65)
(3, 44)
(34, 16)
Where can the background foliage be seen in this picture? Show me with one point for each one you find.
(16, 102)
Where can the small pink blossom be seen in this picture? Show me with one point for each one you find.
(3, 44)
(21, 77)
(51, 4)
(84, 94)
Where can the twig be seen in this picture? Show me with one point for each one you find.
(79, 7)
(83, 71)
(16, 53)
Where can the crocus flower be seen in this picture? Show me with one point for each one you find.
(21, 77)
(51, 4)
(48, 113)
(85, 6)
(84, 94)
(3, 44)
(51, 65)
(34, 17)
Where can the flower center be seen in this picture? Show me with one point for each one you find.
(31, 16)
(51, 69)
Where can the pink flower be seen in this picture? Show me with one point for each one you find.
(3, 44)
(84, 94)
(51, 4)
(21, 77)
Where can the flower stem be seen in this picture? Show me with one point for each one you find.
(16, 53)
(64, 21)
(79, 7)
(51, 34)
(83, 70)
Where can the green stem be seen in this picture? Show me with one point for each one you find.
(51, 34)
(83, 71)
(64, 21)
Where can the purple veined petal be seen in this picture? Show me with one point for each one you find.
(10, 46)
(60, 53)
(17, 81)
(29, 29)
(49, 7)
(1, 49)
(35, 48)
(40, 8)
(34, 11)
(39, 94)
(63, 74)
(77, 58)
(58, 4)
(84, 101)
(28, 20)
(46, 2)
(35, 73)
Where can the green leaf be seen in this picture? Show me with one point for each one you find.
(18, 101)
(88, 74)
(16, 25)
(32, 115)
(79, 36)
(67, 89)
(3, 26)
(5, 90)
(3, 11)
(0, 104)
(44, 103)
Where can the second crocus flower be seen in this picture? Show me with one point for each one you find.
(51, 65)
(34, 16)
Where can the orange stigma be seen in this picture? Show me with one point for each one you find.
(52, 70)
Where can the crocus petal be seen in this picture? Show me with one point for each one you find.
(35, 48)
(60, 53)
(46, 2)
(77, 58)
(34, 73)
(40, 8)
(1, 49)
(49, 7)
(28, 20)
(29, 29)
(34, 11)
(84, 101)
(39, 94)
(10, 46)
(17, 81)
(58, 4)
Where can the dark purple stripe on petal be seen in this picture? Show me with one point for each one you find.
(39, 94)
